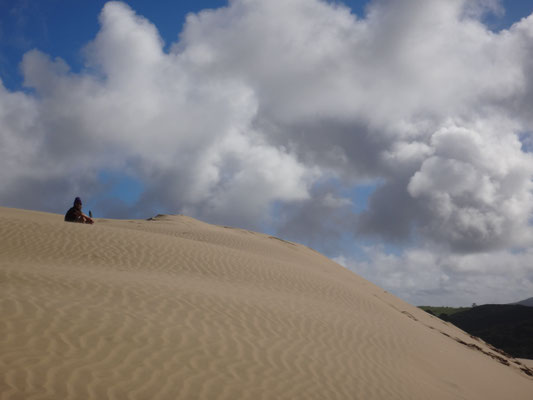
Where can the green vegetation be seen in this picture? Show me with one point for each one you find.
(506, 326)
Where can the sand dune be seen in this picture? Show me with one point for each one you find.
(173, 308)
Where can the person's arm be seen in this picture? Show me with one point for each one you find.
(82, 218)
(86, 219)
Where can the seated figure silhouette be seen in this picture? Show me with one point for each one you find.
(74, 214)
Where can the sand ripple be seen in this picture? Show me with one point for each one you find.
(174, 308)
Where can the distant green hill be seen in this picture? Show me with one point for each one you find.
(526, 302)
(507, 327)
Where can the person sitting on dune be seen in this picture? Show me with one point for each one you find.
(74, 214)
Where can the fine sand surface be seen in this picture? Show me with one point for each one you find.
(174, 308)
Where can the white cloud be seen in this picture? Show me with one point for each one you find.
(189, 136)
(476, 188)
(18, 136)
(426, 277)
(478, 8)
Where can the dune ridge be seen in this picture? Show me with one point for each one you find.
(174, 308)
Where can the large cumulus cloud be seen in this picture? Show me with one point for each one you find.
(267, 112)
(419, 94)
(187, 135)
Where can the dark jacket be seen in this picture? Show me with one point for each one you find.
(72, 215)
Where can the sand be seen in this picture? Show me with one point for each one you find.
(526, 362)
(174, 308)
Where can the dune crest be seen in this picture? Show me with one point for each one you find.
(174, 308)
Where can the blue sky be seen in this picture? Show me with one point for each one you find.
(61, 28)
(396, 142)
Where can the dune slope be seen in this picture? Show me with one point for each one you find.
(174, 308)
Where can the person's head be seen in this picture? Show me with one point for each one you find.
(77, 203)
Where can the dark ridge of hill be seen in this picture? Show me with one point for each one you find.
(505, 326)
(443, 312)
(526, 302)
